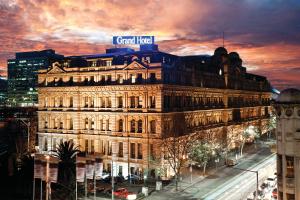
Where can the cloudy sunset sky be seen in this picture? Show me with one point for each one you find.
(266, 33)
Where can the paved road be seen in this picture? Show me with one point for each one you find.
(241, 185)
(227, 178)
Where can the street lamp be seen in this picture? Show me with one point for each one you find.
(33, 185)
(48, 187)
(253, 171)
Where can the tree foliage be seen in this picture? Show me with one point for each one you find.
(66, 153)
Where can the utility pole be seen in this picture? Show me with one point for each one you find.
(47, 178)
(256, 172)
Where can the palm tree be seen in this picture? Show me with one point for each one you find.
(66, 153)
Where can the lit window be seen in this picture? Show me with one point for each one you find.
(133, 78)
(108, 63)
(132, 126)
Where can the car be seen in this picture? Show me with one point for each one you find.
(274, 193)
(133, 178)
(261, 194)
(272, 180)
(231, 162)
(264, 187)
(122, 193)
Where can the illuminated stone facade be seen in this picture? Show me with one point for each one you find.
(119, 104)
(288, 143)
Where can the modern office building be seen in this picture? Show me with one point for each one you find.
(22, 76)
(288, 142)
(121, 103)
(3, 91)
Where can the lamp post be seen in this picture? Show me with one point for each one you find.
(33, 185)
(48, 189)
(253, 171)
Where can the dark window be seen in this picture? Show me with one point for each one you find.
(132, 150)
(140, 126)
(120, 149)
(120, 125)
(152, 77)
(140, 151)
(152, 126)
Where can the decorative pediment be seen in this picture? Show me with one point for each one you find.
(56, 69)
(135, 65)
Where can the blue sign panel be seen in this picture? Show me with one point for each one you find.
(133, 40)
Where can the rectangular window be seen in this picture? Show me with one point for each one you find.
(86, 124)
(132, 102)
(140, 151)
(92, 146)
(289, 167)
(101, 125)
(86, 102)
(140, 102)
(107, 125)
(120, 102)
(93, 124)
(54, 144)
(60, 102)
(120, 149)
(109, 145)
(71, 102)
(133, 78)
(152, 101)
(108, 102)
(151, 152)
(108, 80)
(108, 63)
(152, 77)
(86, 146)
(119, 79)
(132, 150)
(139, 78)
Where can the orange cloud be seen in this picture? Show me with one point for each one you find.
(267, 41)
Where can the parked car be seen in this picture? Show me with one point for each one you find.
(272, 180)
(231, 162)
(274, 193)
(122, 193)
(133, 178)
(264, 187)
(261, 194)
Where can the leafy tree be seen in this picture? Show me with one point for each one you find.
(66, 153)
(176, 144)
(250, 133)
(201, 153)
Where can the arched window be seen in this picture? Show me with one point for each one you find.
(120, 129)
(132, 126)
(152, 126)
(140, 126)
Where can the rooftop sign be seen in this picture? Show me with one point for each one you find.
(140, 40)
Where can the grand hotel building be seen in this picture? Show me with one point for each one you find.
(121, 103)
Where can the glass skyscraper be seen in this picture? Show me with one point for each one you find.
(22, 76)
